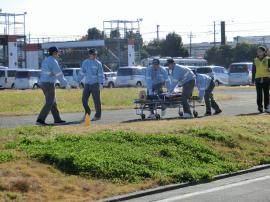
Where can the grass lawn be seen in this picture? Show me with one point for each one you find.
(27, 102)
(76, 163)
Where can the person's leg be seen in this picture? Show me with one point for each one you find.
(97, 101)
(186, 94)
(207, 95)
(259, 96)
(266, 94)
(49, 93)
(214, 104)
(85, 98)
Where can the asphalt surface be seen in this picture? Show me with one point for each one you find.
(250, 187)
(243, 103)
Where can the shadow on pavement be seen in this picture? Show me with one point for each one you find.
(162, 119)
(251, 114)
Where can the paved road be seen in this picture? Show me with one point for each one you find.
(251, 187)
(243, 102)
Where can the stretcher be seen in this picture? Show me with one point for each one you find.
(157, 103)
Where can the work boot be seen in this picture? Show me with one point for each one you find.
(40, 122)
(260, 109)
(95, 119)
(60, 122)
(208, 114)
(217, 112)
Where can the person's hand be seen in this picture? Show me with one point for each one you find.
(100, 86)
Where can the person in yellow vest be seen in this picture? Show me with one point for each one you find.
(261, 78)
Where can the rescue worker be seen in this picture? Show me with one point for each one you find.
(156, 78)
(260, 75)
(184, 77)
(50, 72)
(92, 70)
(206, 85)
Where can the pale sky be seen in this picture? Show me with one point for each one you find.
(67, 17)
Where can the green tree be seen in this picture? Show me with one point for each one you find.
(173, 46)
(153, 48)
(94, 33)
(244, 52)
(222, 55)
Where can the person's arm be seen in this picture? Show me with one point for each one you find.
(100, 75)
(57, 72)
(149, 82)
(254, 72)
(82, 72)
(167, 79)
(175, 81)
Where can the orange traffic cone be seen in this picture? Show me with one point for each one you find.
(87, 120)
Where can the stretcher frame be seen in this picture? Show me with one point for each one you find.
(157, 105)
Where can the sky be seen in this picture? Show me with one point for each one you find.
(68, 18)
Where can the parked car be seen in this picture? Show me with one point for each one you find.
(27, 79)
(221, 75)
(110, 79)
(71, 76)
(239, 74)
(7, 77)
(131, 76)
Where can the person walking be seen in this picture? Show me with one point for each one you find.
(261, 78)
(50, 72)
(92, 70)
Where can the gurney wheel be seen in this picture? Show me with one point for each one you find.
(142, 116)
(195, 113)
(157, 116)
(181, 114)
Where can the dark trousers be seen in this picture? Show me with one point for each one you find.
(186, 94)
(157, 88)
(262, 88)
(87, 91)
(209, 98)
(50, 102)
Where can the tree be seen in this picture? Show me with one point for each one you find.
(153, 48)
(244, 52)
(94, 33)
(173, 46)
(221, 55)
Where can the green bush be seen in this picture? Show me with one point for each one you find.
(130, 157)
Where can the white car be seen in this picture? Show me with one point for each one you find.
(27, 79)
(134, 76)
(110, 79)
(7, 78)
(71, 75)
(221, 75)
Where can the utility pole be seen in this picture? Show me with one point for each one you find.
(214, 33)
(190, 36)
(158, 32)
(223, 33)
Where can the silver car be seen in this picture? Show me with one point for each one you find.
(110, 79)
(239, 74)
(221, 75)
(131, 76)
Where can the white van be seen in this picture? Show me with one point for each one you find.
(110, 79)
(70, 75)
(239, 74)
(7, 77)
(27, 79)
(134, 76)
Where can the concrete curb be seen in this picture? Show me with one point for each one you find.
(180, 185)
